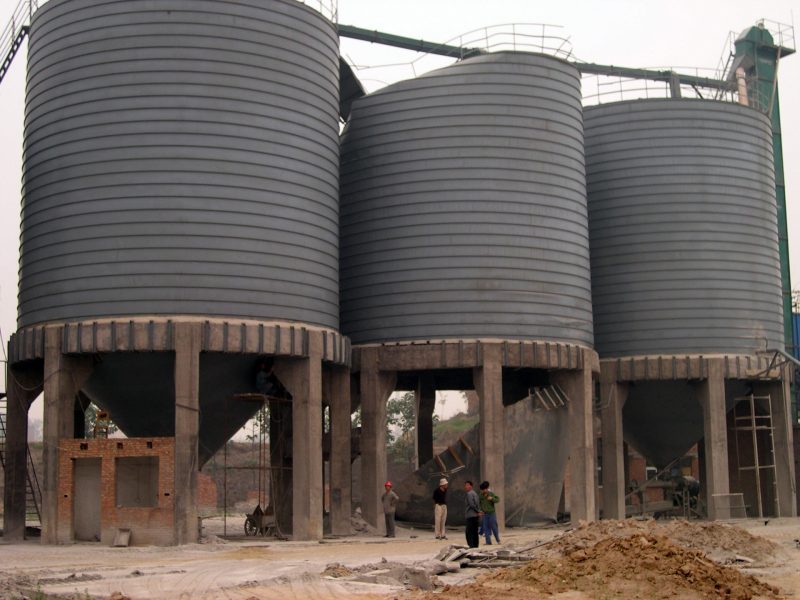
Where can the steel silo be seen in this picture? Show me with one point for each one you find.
(463, 207)
(181, 158)
(181, 165)
(683, 224)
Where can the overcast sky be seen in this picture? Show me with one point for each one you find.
(635, 33)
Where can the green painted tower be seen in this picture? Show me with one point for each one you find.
(758, 54)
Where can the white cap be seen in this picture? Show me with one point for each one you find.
(443, 481)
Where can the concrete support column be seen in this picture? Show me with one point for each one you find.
(612, 398)
(341, 470)
(63, 377)
(488, 380)
(783, 439)
(425, 403)
(280, 461)
(376, 386)
(577, 385)
(303, 378)
(187, 424)
(711, 395)
(22, 388)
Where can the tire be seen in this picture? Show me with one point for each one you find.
(250, 527)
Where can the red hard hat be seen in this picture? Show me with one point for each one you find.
(389, 483)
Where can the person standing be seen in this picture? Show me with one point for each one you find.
(473, 513)
(440, 509)
(389, 501)
(487, 501)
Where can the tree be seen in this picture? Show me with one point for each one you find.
(400, 424)
(399, 416)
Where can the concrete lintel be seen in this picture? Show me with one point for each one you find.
(375, 387)
(689, 367)
(457, 354)
(157, 334)
(63, 377)
(187, 426)
(488, 380)
(22, 388)
(341, 466)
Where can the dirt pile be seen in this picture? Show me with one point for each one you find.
(633, 559)
(637, 566)
(360, 526)
(720, 541)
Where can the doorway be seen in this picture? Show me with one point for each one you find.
(86, 499)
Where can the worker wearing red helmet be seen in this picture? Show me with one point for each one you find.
(389, 501)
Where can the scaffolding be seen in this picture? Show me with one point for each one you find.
(264, 519)
(753, 432)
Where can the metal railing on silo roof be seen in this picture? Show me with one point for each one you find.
(327, 8)
(539, 38)
(653, 83)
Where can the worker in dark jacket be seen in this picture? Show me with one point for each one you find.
(440, 509)
(472, 514)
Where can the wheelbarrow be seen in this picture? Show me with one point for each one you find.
(260, 522)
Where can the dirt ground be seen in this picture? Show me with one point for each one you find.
(609, 559)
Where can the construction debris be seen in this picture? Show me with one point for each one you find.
(421, 575)
(475, 558)
(336, 570)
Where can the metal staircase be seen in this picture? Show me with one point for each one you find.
(33, 493)
(14, 33)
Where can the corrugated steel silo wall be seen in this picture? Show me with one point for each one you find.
(181, 157)
(683, 225)
(464, 207)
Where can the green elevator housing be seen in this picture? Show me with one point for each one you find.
(758, 54)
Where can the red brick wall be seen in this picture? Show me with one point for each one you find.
(206, 495)
(148, 525)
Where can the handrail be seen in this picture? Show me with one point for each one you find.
(539, 38)
(327, 8)
(13, 34)
(21, 17)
